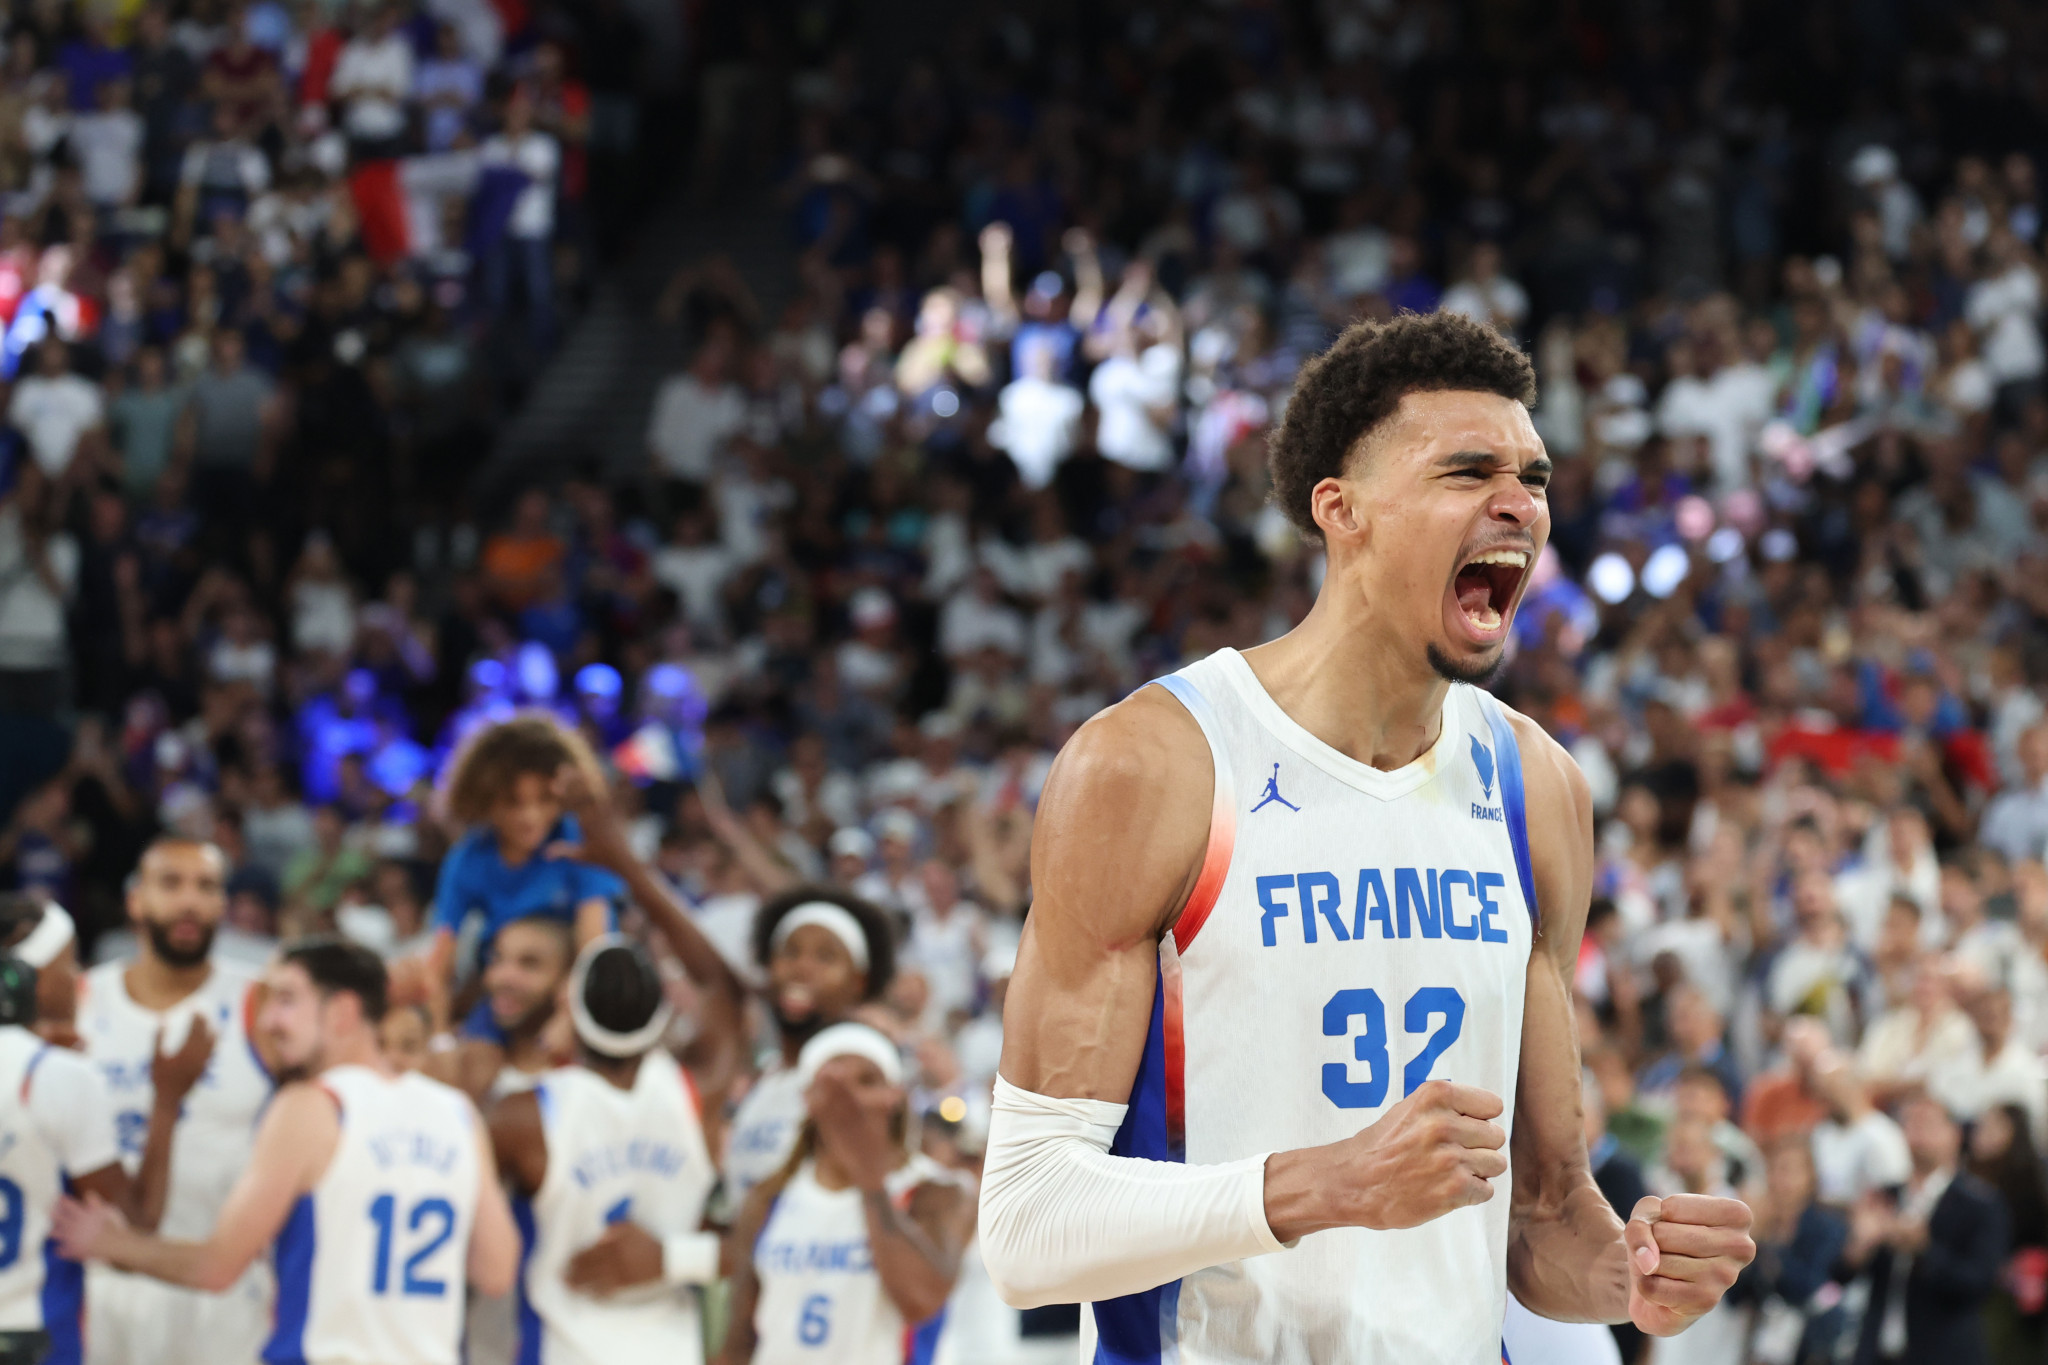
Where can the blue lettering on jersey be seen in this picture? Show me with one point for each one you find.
(638, 1157)
(1440, 903)
(412, 1147)
(1492, 813)
(794, 1258)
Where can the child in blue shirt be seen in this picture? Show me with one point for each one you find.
(501, 783)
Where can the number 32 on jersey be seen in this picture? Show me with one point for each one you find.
(1430, 1003)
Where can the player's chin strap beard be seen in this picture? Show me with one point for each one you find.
(173, 955)
(802, 1030)
(1477, 674)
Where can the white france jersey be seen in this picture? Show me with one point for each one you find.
(763, 1133)
(372, 1263)
(613, 1155)
(55, 1122)
(821, 1301)
(217, 1124)
(1352, 933)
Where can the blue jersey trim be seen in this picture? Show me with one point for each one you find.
(924, 1340)
(1508, 757)
(63, 1297)
(530, 1328)
(294, 1258)
(1142, 1328)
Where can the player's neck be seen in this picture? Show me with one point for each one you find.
(156, 984)
(359, 1050)
(620, 1072)
(1340, 677)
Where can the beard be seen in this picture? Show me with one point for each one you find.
(1478, 674)
(172, 954)
(800, 1028)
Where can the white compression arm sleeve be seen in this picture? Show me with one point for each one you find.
(1063, 1221)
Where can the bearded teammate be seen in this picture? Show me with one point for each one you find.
(1292, 999)
(57, 1131)
(608, 1158)
(825, 953)
(176, 899)
(377, 1188)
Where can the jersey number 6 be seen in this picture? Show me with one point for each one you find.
(1370, 1046)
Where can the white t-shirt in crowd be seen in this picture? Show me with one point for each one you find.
(2005, 310)
(1498, 302)
(1035, 426)
(690, 423)
(695, 574)
(32, 632)
(108, 145)
(52, 414)
(1124, 389)
(1851, 1160)
(539, 157)
(373, 76)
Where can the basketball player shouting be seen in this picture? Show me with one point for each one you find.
(1289, 1071)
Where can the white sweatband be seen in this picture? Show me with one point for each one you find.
(47, 939)
(849, 1040)
(689, 1258)
(835, 920)
(1063, 1221)
(595, 1036)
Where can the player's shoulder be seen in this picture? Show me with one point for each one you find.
(1549, 772)
(53, 1070)
(1147, 738)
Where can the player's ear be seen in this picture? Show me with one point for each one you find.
(1336, 510)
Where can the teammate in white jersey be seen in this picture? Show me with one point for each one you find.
(57, 1132)
(824, 953)
(173, 985)
(1295, 974)
(377, 1189)
(607, 1158)
(852, 1249)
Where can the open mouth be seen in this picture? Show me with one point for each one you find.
(1486, 585)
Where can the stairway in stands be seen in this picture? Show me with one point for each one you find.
(590, 405)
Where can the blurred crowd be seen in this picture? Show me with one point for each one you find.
(997, 459)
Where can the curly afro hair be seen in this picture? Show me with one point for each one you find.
(881, 933)
(1348, 390)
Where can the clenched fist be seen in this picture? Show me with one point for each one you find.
(1436, 1151)
(1684, 1250)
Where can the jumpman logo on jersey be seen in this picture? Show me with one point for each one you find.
(1273, 794)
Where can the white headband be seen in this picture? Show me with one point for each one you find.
(596, 1036)
(849, 1040)
(835, 920)
(51, 933)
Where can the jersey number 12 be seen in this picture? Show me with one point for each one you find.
(435, 1218)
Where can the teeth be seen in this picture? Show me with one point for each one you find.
(1486, 618)
(1518, 558)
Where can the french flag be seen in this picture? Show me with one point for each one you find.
(399, 202)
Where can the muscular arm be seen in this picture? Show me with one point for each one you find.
(1570, 1256)
(519, 1142)
(716, 1053)
(293, 1145)
(493, 1261)
(1119, 839)
(1566, 1257)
